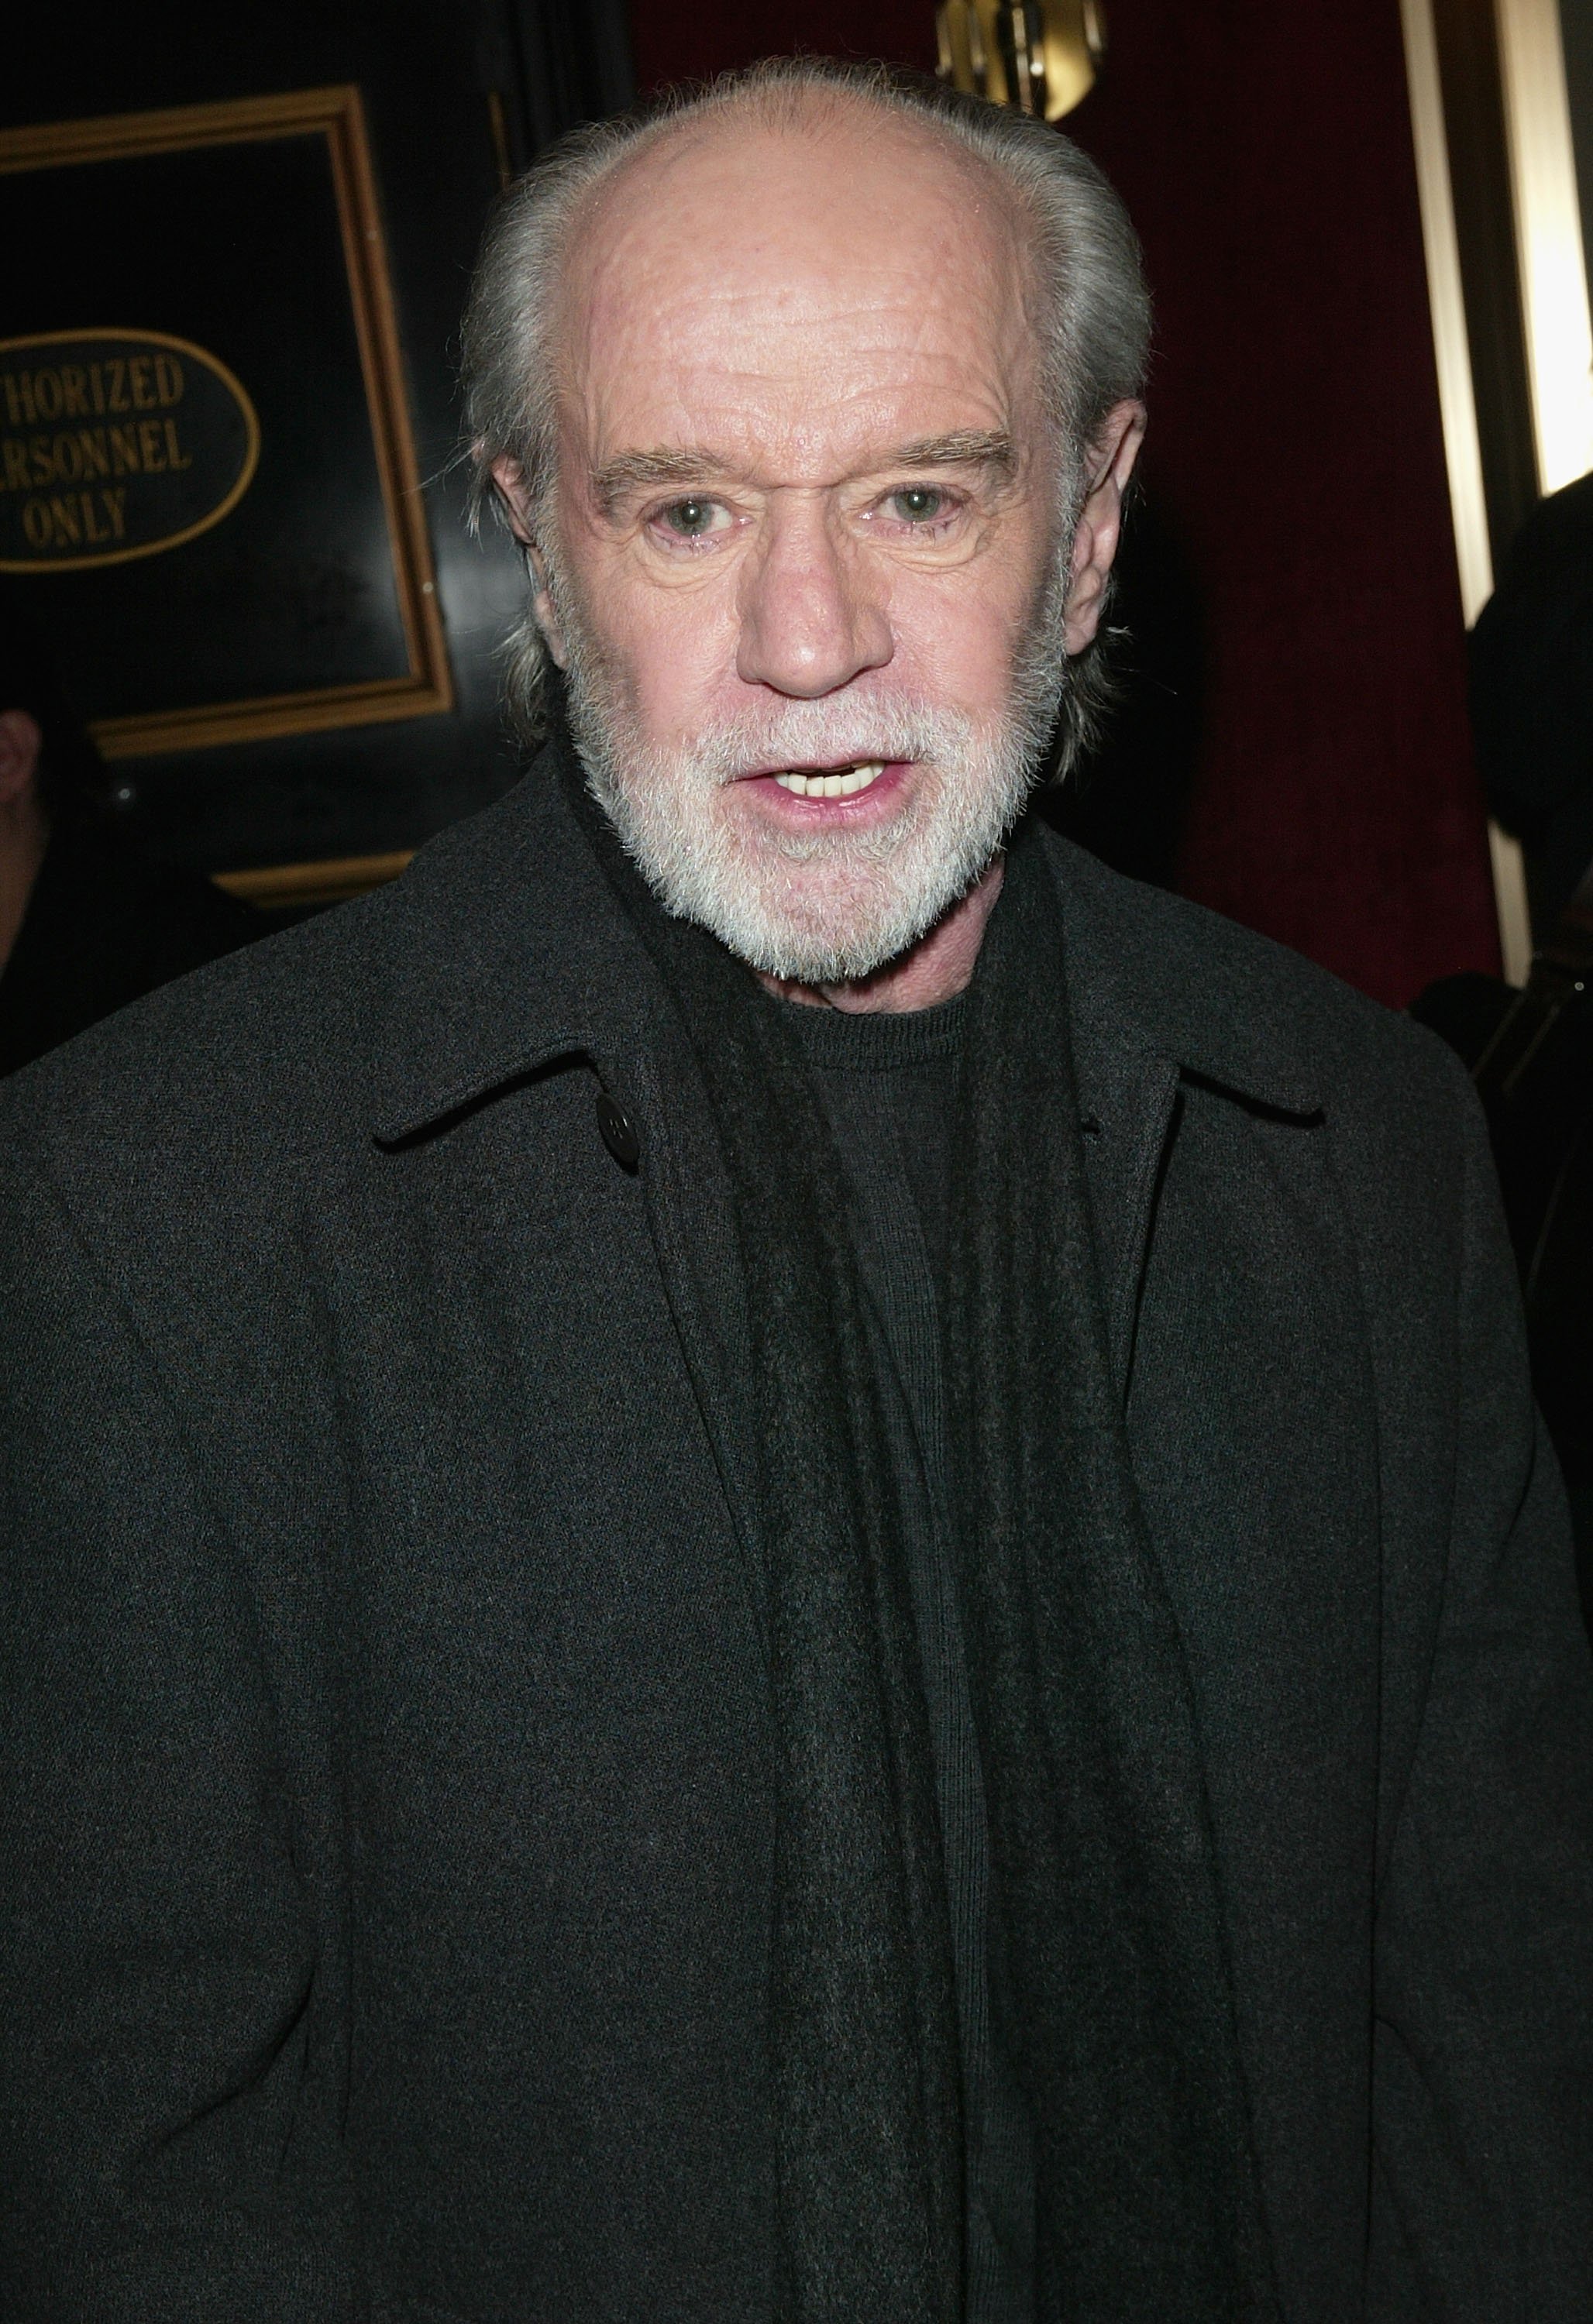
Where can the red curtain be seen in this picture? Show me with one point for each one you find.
(1295, 450)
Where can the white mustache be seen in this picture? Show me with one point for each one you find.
(723, 752)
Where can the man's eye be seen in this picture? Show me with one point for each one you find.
(919, 503)
(690, 519)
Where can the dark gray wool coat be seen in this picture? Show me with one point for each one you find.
(387, 1875)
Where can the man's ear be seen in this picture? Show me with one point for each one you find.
(510, 479)
(21, 742)
(1111, 461)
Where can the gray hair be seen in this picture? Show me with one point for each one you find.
(1087, 263)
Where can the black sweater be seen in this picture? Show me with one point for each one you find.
(886, 1082)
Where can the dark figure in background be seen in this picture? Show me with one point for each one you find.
(1532, 1053)
(87, 923)
(1531, 697)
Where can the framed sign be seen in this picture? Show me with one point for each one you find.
(208, 483)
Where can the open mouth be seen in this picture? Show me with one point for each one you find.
(832, 782)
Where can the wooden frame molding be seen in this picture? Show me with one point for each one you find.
(279, 886)
(338, 115)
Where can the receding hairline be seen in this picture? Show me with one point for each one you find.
(798, 109)
(777, 109)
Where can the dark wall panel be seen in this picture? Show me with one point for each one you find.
(425, 73)
(1266, 155)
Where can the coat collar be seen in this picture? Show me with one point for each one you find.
(514, 953)
(1151, 976)
(510, 951)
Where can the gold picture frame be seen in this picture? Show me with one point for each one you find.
(302, 887)
(338, 114)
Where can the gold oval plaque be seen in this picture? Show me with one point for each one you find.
(114, 445)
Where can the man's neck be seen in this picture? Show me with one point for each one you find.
(937, 968)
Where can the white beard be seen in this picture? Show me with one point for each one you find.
(825, 907)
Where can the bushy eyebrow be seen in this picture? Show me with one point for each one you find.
(641, 471)
(965, 447)
(694, 466)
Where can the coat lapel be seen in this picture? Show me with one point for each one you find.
(518, 956)
(521, 957)
(1139, 1028)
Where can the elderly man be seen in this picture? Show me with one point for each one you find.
(775, 1557)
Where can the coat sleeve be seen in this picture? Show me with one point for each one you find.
(1483, 2068)
(157, 1952)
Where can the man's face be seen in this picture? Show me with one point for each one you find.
(804, 549)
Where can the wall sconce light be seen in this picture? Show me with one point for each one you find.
(1038, 56)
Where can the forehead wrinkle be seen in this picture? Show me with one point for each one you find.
(944, 303)
(845, 405)
(639, 430)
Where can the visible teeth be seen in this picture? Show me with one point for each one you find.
(841, 786)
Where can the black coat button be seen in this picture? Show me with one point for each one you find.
(619, 1131)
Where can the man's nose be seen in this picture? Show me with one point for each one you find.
(809, 620)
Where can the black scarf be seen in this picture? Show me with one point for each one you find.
(1122, 2020)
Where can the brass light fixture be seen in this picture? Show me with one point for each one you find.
(1038, 56)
